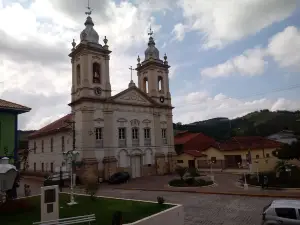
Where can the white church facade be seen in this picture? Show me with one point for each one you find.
(130, 131)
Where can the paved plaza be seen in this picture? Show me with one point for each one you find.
(205, 209)
(199, 208)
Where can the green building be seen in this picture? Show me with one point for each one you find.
(9, 112)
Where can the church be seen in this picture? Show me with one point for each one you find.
(131, 131)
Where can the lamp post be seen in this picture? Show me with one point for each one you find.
(257, 173)
(211, 162)
(245, 180)
(70, 157)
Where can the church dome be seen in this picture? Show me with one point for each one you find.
(151, 51)
(89, 34)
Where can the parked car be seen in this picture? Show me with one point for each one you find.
(118, 178)
(284, 212)
(54, 179)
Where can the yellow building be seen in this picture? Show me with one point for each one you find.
(253, 153)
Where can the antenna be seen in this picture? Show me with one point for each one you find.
(89, 12)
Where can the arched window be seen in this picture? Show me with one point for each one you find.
(160, 83)
(146, 85)
(96, 73)
(78, 77)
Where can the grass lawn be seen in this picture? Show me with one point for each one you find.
(29, 211)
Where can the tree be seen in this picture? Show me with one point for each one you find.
(181, 171)
(90, 180)
(288, 152)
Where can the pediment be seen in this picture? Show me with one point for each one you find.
(132, 96)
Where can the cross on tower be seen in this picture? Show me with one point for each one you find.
(89, 12)
(150, 32)
(131, 69)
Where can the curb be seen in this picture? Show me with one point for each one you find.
(215, 193)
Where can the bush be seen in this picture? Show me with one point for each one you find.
(284, 180)
(160, 200)
(189, 182)
(16, 206)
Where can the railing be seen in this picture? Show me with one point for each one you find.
(147, 141)
(70, 220)
(135, 142)
(99, 143)
(122, 143)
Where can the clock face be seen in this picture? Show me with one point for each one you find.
(97, 91)
(162, 99)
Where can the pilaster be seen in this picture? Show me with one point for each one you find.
(108, 133)
(87, 133)
(157, 131)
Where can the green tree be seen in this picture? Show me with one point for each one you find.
(288, 152)
(181, 171)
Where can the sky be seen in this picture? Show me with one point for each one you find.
(227, 57)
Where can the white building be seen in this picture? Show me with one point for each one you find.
(130, 131)
(284, 136)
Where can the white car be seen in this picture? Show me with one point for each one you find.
(284, 212)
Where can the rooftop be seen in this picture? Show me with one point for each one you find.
(184, 137)
(13, 106)
(53, 127)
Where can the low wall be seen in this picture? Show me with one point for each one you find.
(174, 216)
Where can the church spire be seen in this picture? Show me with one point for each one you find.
(89, 34)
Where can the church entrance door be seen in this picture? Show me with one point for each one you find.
(135, 166)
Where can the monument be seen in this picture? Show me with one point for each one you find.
(49, 203)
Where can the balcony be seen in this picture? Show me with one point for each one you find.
(147, 142)
(122, 143)
(164, 141)
(99, 143)
(135, 142)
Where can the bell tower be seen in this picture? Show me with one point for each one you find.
(90, 65)
(153, 74)
(90, 87)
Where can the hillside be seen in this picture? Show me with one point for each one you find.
(262, 123)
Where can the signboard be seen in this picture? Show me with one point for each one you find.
(49, 203)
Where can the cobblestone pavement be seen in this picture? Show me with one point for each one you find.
(201, 209)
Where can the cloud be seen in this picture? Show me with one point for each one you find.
(224, 21)
(284, 47)
(250, 63)
(196, 106)
(179, 31)
(36, 43)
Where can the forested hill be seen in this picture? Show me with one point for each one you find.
(261, 123)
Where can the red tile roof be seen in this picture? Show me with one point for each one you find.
(10, 105)
(186, 136)
(248, 143)
(53, 127)
(194, 153)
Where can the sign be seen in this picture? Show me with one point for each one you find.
(49, 203)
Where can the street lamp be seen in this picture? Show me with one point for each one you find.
(245, 180)
(70, 157)
(211, 162)
(257, 173)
